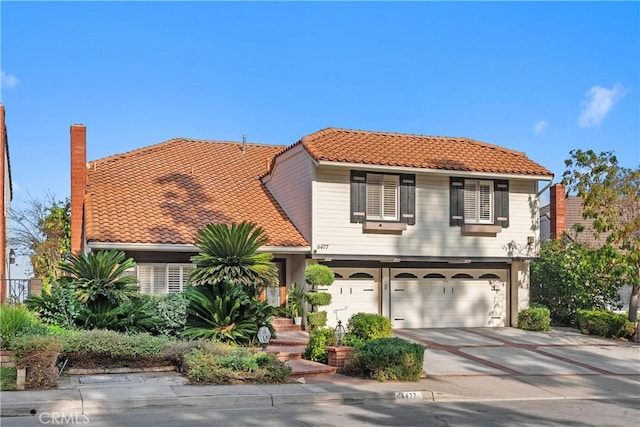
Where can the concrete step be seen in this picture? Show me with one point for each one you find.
(306, 368)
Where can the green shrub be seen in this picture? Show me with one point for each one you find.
(390, 359)
(369, 326)
(317, 319)
(59, 306)
(319, 275)
(39, 356)
(8, 378)
(16, 321)
(234, 366)
(352, 340)
(169, 314)
(319, 339)
(103, 348)
(318, 298)
(534, 319)
(604, 323)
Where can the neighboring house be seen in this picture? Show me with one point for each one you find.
(5, 205)
(428, 231)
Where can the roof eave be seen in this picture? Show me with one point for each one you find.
(434, 171)
(170, 247)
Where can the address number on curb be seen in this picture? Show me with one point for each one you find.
(408, 395)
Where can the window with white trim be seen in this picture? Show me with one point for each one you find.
(382, 197)
(478, 201)
(163, 278)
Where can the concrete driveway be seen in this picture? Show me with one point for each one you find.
(514, 352)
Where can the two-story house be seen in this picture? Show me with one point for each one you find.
(428, 231)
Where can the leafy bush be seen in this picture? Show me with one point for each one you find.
(224, 312)
(59, 306)
(317, 319)
(318, 298)
(389, 359)
(16, 321)
(8, 378)
(319, 339)
(103, 348)
(234, 366)
(571, 276)
(169, 313)
(352, 340)
(319, 275)
(39, 356)
(369, 326)
(534, 319)
(604, 323)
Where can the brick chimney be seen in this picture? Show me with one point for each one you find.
(78, 185)
(557, 212)
(3, 208)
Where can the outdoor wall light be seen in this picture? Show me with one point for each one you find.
(12, 256)
(264, 335)
(339, 333)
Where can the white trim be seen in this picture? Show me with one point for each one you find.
(447, 172)
(161, 247)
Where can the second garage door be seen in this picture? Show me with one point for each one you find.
(354, 291)
(422, 298)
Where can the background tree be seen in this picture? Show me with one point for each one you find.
(41, 230)
(572, 276)
(610, 196)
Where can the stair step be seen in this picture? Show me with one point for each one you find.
(305, 368)
(287, 327)
(282, 321)
(284, 352)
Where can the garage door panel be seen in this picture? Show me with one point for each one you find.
(358, 290)
(452, 302)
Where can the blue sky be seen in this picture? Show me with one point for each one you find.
(543, 78)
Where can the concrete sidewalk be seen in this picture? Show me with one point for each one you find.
(461, 365)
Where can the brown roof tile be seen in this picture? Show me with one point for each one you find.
(417, 151)
(164, 193)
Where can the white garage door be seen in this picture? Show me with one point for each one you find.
(353, 291)
(422, 298)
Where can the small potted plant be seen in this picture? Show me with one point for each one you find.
(295, 302)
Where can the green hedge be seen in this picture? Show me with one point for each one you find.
(535, 319)
(103, 348)
(369, 326)
(604, 323)
(388, 359)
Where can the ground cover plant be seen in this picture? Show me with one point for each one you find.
(385, 359)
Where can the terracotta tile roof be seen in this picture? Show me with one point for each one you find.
(165, 192)
(417, 151)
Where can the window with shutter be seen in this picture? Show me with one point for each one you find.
(382, 197)
(162, 278)
(478, 201)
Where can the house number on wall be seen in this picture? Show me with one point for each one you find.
(323, 246)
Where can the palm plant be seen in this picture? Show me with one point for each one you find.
(223, 311)
(229, 253)
(99, 278)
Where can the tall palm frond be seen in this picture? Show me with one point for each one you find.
(230, 253)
